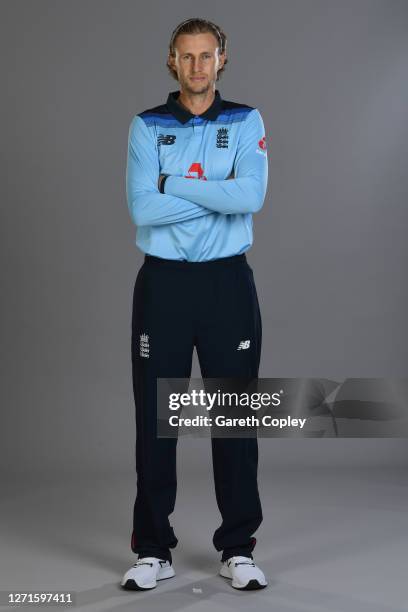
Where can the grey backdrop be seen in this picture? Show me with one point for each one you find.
(331, 81)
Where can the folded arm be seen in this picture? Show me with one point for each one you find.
(245, 193)
(147, 206)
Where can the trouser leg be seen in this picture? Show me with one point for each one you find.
(231, 318)
(162, 346)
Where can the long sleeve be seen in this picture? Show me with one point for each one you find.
(243, 194)
(147, 206)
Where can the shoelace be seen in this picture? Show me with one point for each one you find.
(142, 563)
(242, 563)
(245, 563)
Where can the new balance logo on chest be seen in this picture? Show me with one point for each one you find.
(166, 139)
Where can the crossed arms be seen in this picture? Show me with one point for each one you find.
(185, 199)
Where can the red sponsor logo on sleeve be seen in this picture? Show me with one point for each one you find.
(262, 143)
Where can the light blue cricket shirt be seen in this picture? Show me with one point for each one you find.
(201, 215)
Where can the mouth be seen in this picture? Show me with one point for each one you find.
(197, 78)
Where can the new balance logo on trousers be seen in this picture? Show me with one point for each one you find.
(212, 307)
(244, 344)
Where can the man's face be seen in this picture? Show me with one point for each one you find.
(197, 62)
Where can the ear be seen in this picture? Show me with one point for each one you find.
(222, 57)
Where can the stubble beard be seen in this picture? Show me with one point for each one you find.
(197, 91)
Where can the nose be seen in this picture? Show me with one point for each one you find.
(196, 64)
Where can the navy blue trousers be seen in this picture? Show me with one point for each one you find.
(179, 305)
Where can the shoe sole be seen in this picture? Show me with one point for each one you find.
(252, 585)
(132, 585)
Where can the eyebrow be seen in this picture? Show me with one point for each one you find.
(190, 53)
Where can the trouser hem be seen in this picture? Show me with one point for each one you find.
(160, 554)
(244, 551)
(150, 551)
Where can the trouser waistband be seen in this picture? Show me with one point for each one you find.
(178, 263)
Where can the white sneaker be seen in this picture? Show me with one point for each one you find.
(145, 572)
(244, 573)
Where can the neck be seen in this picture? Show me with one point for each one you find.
(196, 103)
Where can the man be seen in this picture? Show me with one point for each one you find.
(196, 171)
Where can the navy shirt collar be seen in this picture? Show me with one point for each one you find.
(184, 115)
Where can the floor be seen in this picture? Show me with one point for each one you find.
(332, 540)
